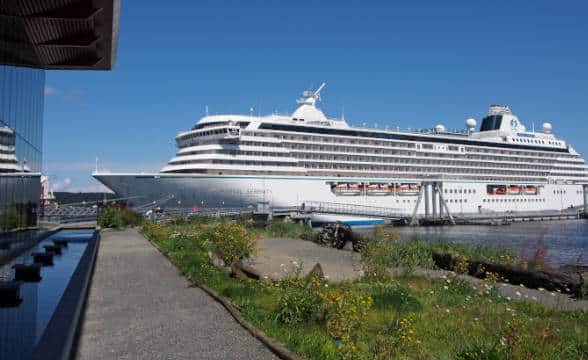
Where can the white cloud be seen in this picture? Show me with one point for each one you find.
(61, 184)
(50, 90)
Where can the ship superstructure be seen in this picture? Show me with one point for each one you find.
(240, 160)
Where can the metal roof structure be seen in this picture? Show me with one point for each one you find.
(59, 34)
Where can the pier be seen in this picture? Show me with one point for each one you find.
(439, 216)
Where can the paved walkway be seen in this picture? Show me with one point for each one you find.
(139, 307)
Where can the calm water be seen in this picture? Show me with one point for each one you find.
(566, 241)
(22, 327)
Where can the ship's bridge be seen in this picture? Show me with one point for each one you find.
(501, 125)
(207, 134)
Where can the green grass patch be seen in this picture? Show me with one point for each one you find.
(405, 317)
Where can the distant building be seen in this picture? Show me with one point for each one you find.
(39, 35)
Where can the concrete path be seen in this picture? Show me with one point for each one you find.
(139, 307)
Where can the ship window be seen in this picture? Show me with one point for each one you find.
(492, 122)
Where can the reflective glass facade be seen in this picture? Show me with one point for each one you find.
(21, 143)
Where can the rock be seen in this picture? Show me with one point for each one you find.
(216, 260)
(316, 271)
(240, 270)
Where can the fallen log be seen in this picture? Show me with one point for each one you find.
(568, 283)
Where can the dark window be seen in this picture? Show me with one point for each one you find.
(491, 123)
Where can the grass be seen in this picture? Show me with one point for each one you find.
(417, 252)
(411, 317)
(280, 228)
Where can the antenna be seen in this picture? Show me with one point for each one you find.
(206, 110)
(96, 164)
(343, 113)
(317, 93)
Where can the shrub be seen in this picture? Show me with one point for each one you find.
(231, 242)
(298, 304)
(280, 228)
(399, 337)
(12, 219)
(375, 259)
(346, 312)
(113, 217)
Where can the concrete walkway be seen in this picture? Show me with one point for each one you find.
(139, 307)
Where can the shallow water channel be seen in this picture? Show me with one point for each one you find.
(22, 326)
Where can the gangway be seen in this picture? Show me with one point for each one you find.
(352, 210)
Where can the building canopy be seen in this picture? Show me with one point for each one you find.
(59, 34)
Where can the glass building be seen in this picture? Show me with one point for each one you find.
(35, 36)
(21, 143)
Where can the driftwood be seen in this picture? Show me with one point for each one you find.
(337, 235)
(568, 283)
(243, 271)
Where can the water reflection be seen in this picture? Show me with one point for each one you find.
(22, 327)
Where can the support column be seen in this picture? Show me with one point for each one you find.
(414, 219)
(434, 198)
(585, 188)
(440, 188)
(427, 213)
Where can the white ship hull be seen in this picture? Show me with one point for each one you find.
(217, 191)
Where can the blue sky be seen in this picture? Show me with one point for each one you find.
(408, 64)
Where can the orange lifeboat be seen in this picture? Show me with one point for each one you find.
(513, 190)
(408, 189)
(346, 189)
(378, 190)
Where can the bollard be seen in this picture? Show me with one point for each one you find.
(27, 273)
(53, 248)
(10, 293)
(45, 259)
(60, 242)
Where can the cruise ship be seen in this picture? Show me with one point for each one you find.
(292, 160)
